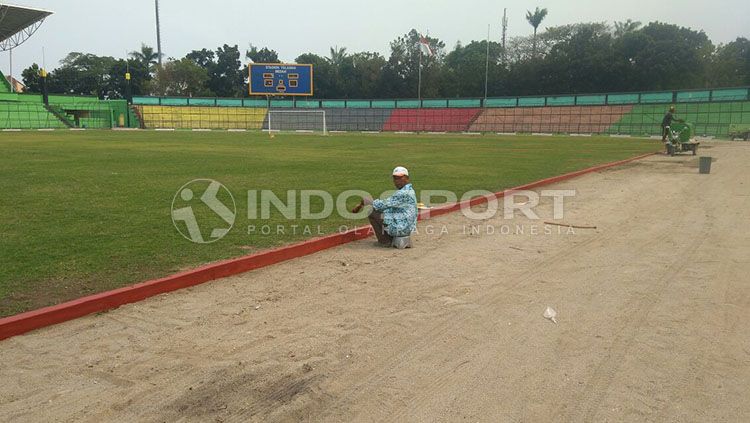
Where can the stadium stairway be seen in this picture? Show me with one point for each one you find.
(136, 113)
(60, 114)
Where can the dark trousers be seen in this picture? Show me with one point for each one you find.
(376, 220)
(664, 133)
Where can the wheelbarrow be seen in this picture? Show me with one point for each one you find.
(679, 136)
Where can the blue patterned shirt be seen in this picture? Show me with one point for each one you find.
(399, 211)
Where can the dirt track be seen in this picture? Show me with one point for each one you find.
(652, 309)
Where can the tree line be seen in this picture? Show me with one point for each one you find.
(576, 58)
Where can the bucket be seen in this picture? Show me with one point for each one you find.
(704, 165)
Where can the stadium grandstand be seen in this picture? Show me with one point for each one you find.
(35, 111)
(714, 113)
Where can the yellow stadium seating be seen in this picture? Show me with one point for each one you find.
(197, 117)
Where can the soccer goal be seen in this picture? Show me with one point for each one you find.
(297, 120)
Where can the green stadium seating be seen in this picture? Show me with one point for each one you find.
(14, 115)
(4, 84)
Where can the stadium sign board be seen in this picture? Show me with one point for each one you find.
(280, 79)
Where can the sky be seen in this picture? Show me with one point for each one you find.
(293, 27)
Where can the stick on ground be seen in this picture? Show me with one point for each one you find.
(570, 226)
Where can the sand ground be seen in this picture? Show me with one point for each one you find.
(652, 309)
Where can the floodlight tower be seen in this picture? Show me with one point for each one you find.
(158, 34)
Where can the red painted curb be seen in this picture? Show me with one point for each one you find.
(36, 319)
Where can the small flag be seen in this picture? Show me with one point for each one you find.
(424, 46)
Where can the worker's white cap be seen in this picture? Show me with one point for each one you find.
(400, 171)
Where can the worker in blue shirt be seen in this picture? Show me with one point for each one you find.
(396, 216)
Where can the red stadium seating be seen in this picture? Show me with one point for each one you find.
(437, 120)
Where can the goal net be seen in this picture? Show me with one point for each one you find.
(296, 120)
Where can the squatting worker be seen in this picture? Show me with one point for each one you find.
(396, 215)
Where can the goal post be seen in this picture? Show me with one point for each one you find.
(297, 120)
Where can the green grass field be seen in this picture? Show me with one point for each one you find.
(83, 212)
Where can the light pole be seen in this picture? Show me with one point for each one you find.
(158, 34)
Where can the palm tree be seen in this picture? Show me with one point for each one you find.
(535, 19)
(622, 28)
(147, 56)
(338, 54)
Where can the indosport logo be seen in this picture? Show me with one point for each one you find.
(203, 211)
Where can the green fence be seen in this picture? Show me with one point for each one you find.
(600, 99)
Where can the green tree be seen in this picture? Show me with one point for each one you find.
(730, 65)
(324, 83)
(352, 76)
(365, 74)
(82, 74)
(464, 70)
(535, 19)
(663, 57)
(147, 57)
(116, 85)
(529, 47)
(32, 79)
(625, 27)
(226, 75)
(337, 55)
(181, 78)
(400, 74)
(264, 55)
(581, 62)
(203, 58)
(340, 70)
(226, 78)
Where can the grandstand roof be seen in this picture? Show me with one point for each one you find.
(18, 23)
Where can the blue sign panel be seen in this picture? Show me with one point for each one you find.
(280, 79)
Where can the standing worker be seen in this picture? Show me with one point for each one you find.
(667, 122)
